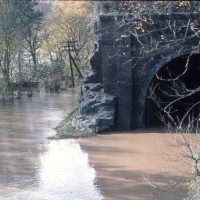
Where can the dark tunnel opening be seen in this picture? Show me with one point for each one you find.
(175, 87)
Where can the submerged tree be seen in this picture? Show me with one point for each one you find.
(32, 23)
(9, 32)
(16, 18)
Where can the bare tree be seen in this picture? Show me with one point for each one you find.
(170, 91)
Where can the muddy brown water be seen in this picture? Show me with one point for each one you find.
(117, 166)
(35, 168)
(140, 165)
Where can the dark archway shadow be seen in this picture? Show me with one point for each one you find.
(183, 70)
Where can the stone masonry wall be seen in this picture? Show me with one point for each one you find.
(128, 78)
(116, 71)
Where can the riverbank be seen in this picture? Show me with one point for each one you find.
(134, 166)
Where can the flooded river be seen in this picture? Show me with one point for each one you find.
(140, 165)
(35, 168)
(125, 166)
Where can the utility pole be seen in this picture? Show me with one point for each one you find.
(69, 47)
(70, 62)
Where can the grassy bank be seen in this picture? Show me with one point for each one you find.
(66, 130)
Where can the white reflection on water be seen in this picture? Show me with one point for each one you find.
(31, 166)
(65, 173)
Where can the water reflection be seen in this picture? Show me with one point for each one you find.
(34, 168)
(64, 167)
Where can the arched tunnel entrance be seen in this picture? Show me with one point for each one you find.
(174, 92)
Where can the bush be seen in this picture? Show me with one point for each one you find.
(194, 190)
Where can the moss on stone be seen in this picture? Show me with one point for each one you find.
(66, 130)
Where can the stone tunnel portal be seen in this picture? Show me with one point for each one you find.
(177, 77)
(126, 70)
